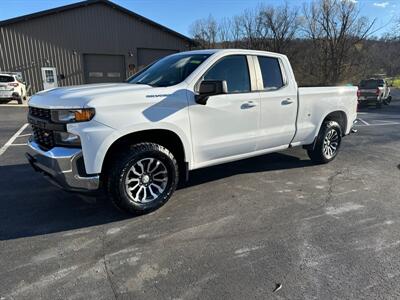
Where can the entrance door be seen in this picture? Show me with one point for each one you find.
(49, 76)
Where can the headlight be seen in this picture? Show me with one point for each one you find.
(72, 115)
(67, 139)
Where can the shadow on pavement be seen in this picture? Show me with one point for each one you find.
(265, 163)
(30, 206)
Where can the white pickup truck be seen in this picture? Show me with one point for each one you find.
(190, 110)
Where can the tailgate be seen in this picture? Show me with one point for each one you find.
(368, 93)
(4, 87)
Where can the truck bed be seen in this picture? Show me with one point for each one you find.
(315, 102)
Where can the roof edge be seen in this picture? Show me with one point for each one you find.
(91, 2)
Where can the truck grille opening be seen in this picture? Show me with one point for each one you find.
(41, 113)
(44, 138)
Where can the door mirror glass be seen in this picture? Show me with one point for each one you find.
(209, 88)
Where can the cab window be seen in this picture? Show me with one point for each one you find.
(271, 73)
(234, 70)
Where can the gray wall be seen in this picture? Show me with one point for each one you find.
(60, 40)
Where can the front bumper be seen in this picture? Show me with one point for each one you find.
(63, 167)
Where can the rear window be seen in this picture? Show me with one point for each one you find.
(271, 73)
(369, 84)
(6, 78)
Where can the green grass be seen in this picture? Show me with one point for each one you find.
(396, 82)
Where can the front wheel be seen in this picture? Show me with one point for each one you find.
(143, 178)
(327, 144)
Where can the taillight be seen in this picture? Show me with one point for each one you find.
(358, 93)
(378, 92)
(14, 84)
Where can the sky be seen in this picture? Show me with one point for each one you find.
(180, 14)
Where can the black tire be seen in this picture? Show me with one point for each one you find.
(120, 167)
(20, 101)
(387, 100)
(317, 154)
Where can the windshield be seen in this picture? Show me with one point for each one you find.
(170, 70)
(370, 84)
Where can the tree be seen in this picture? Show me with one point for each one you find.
(205, 31)
(282, 24)
(335, 29)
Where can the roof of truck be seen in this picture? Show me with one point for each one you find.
(233, 51)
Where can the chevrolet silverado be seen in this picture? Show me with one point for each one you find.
(136, 140)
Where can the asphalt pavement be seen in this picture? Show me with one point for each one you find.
(235, 232)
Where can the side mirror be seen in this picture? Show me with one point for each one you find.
(209, 88)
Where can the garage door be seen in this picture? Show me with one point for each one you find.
(101, 68)
(147, 56)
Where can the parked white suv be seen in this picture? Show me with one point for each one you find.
(186, 111)
(12, 88)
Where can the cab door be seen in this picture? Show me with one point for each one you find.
(278, 101)
(227, 125)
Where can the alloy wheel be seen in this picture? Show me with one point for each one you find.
(331, 143)
(146, 180)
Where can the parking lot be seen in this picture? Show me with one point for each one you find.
(234, 232)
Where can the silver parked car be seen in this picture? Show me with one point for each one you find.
(374, 91)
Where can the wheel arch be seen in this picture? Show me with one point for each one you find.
(165, 137)
(338, 116)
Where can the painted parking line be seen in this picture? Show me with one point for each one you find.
(361, 120)
(381, 124)
(13, 138)
(14, 105)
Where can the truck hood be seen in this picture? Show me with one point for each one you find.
(85, 95)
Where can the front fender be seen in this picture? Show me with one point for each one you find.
(98, 138)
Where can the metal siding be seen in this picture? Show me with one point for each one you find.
(50, 41)
(145, 56)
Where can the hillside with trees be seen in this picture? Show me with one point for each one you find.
(327, 41)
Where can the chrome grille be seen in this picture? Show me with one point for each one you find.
(45, 138)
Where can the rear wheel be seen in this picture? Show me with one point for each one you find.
(143, 178)
(327, 144)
